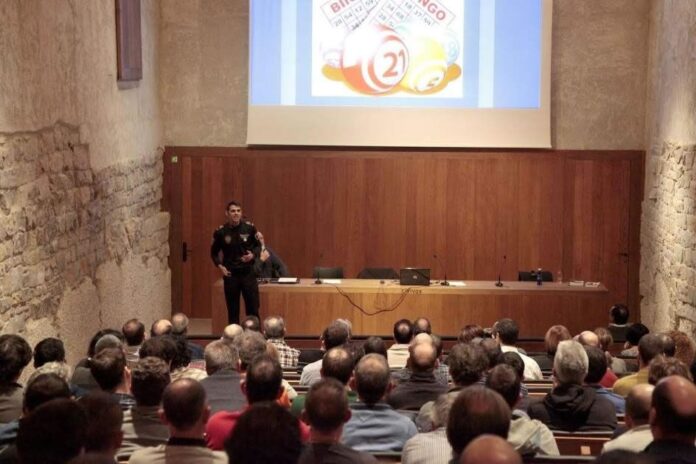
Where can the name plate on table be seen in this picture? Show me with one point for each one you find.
(288, 280)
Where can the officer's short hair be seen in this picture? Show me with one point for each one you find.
(233, 203)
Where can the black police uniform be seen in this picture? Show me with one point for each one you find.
(234, 242)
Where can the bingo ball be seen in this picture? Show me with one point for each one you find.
(331, 49)
(428, 64)
(375, 59)
(449, 40)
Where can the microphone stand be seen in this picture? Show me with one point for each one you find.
(444, 268)
(499, 283)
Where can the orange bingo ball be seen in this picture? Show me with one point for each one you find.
(374, 60)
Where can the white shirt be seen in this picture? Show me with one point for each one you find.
(634, 440)
(532, 371)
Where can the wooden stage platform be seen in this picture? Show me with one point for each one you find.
(373, 307)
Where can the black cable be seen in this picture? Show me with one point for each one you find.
(401, 299)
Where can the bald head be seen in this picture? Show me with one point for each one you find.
(422, 356)
(490, 449)
(673, 412)
(161, 327)
(231, 331)
(372, 379)
(180, 324)
(638, 404)
(588, 338)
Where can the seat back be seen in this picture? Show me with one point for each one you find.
(581, 443)
(385, 273)
(327, 272)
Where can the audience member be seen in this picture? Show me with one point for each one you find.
(490, 449)
(431, 447)
(673, 421)
(662, 366)
(230, 332)
(684, 347)
(15, 355)
(476, 411)
(251, 323)
(596, 370)
(374, 425)
(506, 331)
(61, 369)
(274, 330)
(337, 364)
(326, 411)
(134, 333)
(669, 348)
(528, 436)
(104, 422)
(623, 457)
(588, 338)
(617, 365)
(649, 346)
(571, 406)
(514, 360)
(223, 384)
(397, 354)
(185, 411)
(421, 386)
(40, 390)
(618, 322)
(113, 376)
(48, 350)
(467, 364)
(163, 348)
(491, 348)
(638, 435)
(441, 369)
(263, 382)
(555, 335)
(375, 345)
(469, 333)
(289, 392)
(336, 334)
(422, 325)
(179, 367)
(265, 434)
(180, 323)
(160, 327)
(53, 433)
(633, 335)
(142, 426)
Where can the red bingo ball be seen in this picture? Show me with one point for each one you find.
(375, 59)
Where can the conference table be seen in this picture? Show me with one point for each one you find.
(373, 306)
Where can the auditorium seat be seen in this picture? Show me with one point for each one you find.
(384, 273)
(387, 457)
(581, 443)
(327, 272)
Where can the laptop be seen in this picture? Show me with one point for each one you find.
(414, 276)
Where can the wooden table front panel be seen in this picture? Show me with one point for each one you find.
(307, 308)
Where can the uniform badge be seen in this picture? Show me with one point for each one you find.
(228, 239)
(244, 237)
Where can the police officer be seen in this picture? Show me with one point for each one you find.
(239, 246)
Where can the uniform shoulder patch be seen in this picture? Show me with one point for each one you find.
(249, 223)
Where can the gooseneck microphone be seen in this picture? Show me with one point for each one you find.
(321, 260)
(499, 283)
(443, 268)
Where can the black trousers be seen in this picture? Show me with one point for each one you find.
(241, 282)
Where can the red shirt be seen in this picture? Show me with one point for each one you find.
(608, 379)
(221, 425)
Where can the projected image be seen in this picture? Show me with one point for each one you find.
(408, 48)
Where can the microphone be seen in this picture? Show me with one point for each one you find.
(499, 283)
(318, 280)
(444, 268)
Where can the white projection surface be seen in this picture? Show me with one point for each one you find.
(400, 73)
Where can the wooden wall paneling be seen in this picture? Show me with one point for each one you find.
(540, 212)
(199, 231)
(460, 215)
(637, 186)
(186, 236)
(171, 202)
(348, 216)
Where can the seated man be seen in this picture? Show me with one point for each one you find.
(649, 346)
(431, 447)
(633, 335)
(113, 375)
(618, 322)
(528, 436)
(673, 422)
(491, 450)
(180, 322)
(421, 386)
(142, 426)
(274, 331)
(134, 333)
(223, 384)
(269, 265)
(15, 354)
(104, 422)
(476, 411)
(397, 354)
(326, 411)
(638, 435)
(555, 335)
(506, 332)
(185, 411)
(336, 334)
(570, 406)
(374, 425)
(597, 368)
(263, 382)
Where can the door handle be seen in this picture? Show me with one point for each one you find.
(185, 250)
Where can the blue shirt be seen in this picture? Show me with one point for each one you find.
(617, 400)
(377, 428)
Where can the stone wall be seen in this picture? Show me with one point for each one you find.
(598, 73)
(83, 243)
(668, 228)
